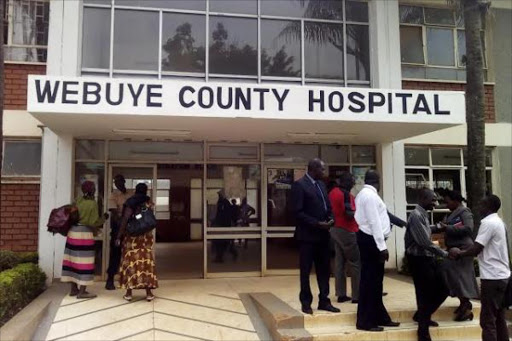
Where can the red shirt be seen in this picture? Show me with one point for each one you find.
(341, 220)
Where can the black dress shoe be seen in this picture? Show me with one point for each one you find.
(329, 307)
(110, 285)
(391, 324)
(307, 310)
(371, 329)
(430, 324)
(345, 298)
(355, 301)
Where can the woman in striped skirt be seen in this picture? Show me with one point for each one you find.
(78, 264)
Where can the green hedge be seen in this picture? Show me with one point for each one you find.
(18, 287)
(9, 259)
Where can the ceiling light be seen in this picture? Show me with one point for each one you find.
(152, 132)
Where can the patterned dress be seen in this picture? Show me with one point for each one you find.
(138, 265)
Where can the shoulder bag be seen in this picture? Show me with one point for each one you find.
(141, 222)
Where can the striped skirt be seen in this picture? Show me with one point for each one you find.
(78, 263)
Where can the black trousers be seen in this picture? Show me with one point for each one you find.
(319, 254)
(492, 315)
(114, 257)
(430, 289)
(371, 311)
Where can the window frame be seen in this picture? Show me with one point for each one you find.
(8, 17)
(259, 77)
(455, 30)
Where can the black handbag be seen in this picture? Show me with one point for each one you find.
(141, 222)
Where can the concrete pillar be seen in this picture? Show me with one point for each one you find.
(56, 190)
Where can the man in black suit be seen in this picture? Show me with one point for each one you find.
(313, 221)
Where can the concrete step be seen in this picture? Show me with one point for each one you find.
(321, 319)
(469, 330)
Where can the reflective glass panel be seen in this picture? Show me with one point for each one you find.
(280, 48)
(290, 153)
(136, 40)
(279, 185)
(416, 157)
(439, 16)
(318, 9)
(357, 11)
(411, 45)
(90, 150)
(233, 46)
(363, 154)
(234, 255)
(461, 48)
(415, 180)
(96, 38)
(323, 50)
(230, 6)
(440, 47)
(445, 180)
(446, 157)
(411, 15)
(22, 158)
(358, 53)
(335, 154)
(199, 5)
(282, 253)
(184, 42)
(156, 151)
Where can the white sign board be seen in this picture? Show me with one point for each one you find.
(271, 101)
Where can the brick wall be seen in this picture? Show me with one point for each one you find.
(16, 84)
(490, 110)
(19, 213)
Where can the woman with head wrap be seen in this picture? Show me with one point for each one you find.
(78, 263)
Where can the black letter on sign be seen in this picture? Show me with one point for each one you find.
(313, 100)
(151, 94)
(340, 101)
(357, 99)
(244, 98)
(372, 103)
(181, 95)
(201, 99)
(95, 92)
(66, 92)
(135, 94)
(421, 105)
(109, 89)
(280, 99)
(262, 96)
(219, 98)
(47, 94)
(436, 107)
(404, 101)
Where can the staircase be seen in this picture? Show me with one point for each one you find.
(286, 323)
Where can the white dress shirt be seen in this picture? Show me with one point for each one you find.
(493, 260)
(372, 216)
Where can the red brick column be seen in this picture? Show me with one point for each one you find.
(19, 217)
(16, 76)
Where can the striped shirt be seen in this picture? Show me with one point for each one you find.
(418, 234)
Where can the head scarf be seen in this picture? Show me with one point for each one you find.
(88, 187)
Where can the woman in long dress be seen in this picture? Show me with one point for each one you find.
(459, 274)
(78, 262)
(137, 269)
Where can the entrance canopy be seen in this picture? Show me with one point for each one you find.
(170, 109)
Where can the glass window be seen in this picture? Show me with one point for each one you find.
(280, 48)
(230, 6)
(461, 48)
(411, 44)
(415, 180)
(411, 15)
(98, 2)
(279, 185)
(155, 151)
(140, 27)
(22, 158)
(233, 46)
(359, 172)
(446, 180)
(90, 150)
(335, 154)
(357, 11)
(319, 9)
(96, 38)
(439, 16)
(234, 255)
(184, 42)
(488, 157)
(229, 152)
(199, 5)
(290, 153)
(358, 53)
(90, 171)
(440, 46)
(323, 50)
(363, 154)
(446, 157)
(416, 157)
(282, 253)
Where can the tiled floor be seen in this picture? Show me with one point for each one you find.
(190, 310)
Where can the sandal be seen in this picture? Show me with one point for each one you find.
(128, 297)
(150, 298)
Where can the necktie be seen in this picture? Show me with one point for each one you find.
(321, 195)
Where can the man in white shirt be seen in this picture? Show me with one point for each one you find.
(374, 227)
(491, 247)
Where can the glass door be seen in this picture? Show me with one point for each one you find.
(133, 175)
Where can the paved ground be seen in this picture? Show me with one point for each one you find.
(214, 309)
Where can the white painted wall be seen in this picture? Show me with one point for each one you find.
(19, 123)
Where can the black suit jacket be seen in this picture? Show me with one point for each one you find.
(309, 210)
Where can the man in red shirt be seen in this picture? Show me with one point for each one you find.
(344, 237)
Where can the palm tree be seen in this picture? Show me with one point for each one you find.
(474, 11)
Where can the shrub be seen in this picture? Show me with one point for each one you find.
(19, 286)
(9, 259)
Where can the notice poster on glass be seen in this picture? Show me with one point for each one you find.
(280, 178)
